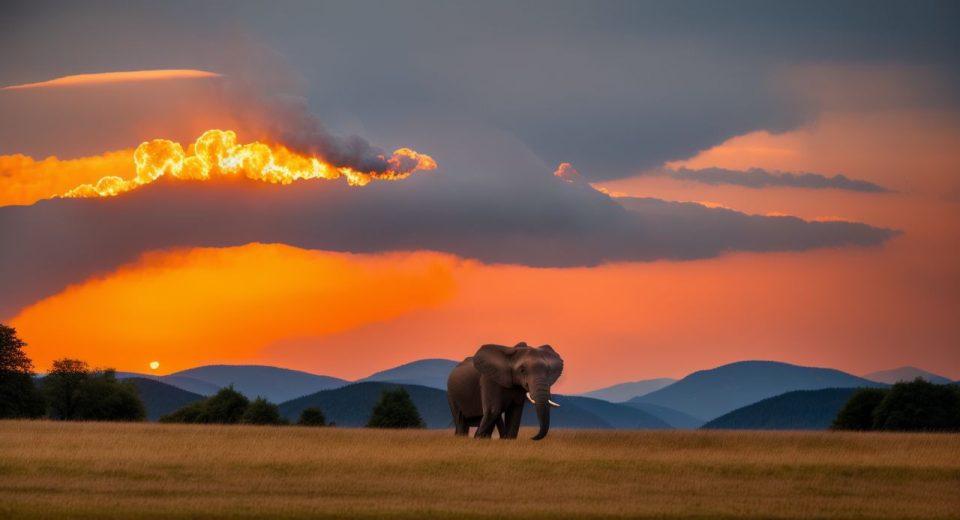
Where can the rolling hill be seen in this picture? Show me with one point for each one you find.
(625, 391)
(182, 382)
(161, 398)
(351, 406)
(708, 394)
(424, 372)
(906, 374)
(798, 410)
(674, 418)
(274, 384)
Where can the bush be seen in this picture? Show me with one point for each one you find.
(194, 412)
(262, 411)
(75, 393)
(19, 396)
(312, 417)
(919, 406)
(857, 413)
(225, 407)
(395, 409)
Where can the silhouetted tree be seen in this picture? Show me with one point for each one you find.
(102, 397)
(19, 396)
(62, 388)
(262, 411)
(227, 406)
(75, 393)
(395, 409)
(312, 416)
(919, 406)
(857, 413)
(193, 412)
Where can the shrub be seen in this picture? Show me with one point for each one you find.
(227, 406)
(262, 411)
(312, 417)
(857, 413)
(395, 409)
(919, 406)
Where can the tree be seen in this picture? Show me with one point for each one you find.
(19, 396)
(919, 406)
(262, 411)
(227, 406)
(395, 409)
(312, 416)
(62, 387)
(857, 413)
(102, 397)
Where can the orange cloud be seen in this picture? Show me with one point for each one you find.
(24, 180)
(116, 77)
(198, 306)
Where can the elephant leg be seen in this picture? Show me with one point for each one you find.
(514, 414)
(501, 430)
(485, 430)
(459, 423)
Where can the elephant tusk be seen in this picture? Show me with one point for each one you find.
(530, 398)
(553, 403)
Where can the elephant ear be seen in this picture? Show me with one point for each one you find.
(493, 361)
(554, 363)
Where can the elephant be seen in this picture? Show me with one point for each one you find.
(488, 389)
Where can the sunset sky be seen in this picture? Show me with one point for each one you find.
(652, 188)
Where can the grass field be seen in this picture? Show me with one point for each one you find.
(52, 469)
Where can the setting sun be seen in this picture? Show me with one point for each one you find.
(154, 365)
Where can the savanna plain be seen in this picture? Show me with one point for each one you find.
(114, 470)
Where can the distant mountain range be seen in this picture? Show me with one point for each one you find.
(798, 410)
(906, 374)
(625, 391)
(425, 372)
(351, 405)
(687, 403)
(708, 394)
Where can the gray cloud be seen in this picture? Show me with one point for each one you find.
(614, 88)
(760, 178)
(57, 242)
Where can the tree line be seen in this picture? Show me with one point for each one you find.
(72, 391)
(918, 405)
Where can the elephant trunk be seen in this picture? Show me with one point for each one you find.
(541, 395)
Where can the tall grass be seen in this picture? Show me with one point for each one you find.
(56, 469)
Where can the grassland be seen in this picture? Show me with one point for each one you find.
(86, 470)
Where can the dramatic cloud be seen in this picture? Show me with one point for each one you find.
(759, 178)
(57, 242)
(567, 172)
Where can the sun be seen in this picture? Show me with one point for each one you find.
(154, 365)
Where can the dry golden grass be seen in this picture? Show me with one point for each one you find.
(51, 469)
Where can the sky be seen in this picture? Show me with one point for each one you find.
(652, 188)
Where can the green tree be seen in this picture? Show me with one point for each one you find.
(102, 397)
(19, 396)
(227, 406)
(62, 388)
(262, 411)
(312, 416)
(919, 406)
(857, 413)
(194, 412)
(395, 409)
